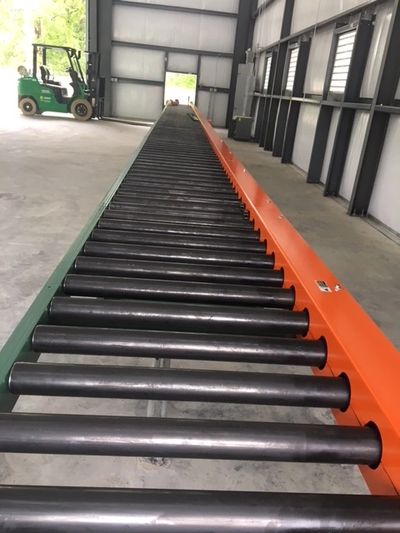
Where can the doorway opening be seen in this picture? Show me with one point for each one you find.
(181, 87)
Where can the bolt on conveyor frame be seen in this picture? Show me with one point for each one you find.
(356, 346)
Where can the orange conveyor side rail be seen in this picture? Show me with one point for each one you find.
(356, 346)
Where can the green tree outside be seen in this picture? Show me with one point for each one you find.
(11, 34)
(185, 81)
(22, 22)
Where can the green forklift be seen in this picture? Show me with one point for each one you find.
(39, 91)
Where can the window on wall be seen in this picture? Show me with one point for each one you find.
(267, 73)
(341, 64)
(291, 72)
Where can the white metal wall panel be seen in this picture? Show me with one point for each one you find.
(329, 8)
(220, 109)
(308, 12)
(381, 28)
(231, 6)
(318, 60)
(353, 154)
(268, 25)
(215, 71)
(304, 14)
(131, 100)
(385, 200)
(203, 102)
(181, 30)
(213, 106)
(182, 63)
(137, 63)
(329, 144)
(305, 132)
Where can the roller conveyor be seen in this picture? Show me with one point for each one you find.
(178, 265)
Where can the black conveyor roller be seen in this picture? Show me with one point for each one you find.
(178, 345)
(171, 197)
(184, 255)
(232, 225)
(178, 384)
(177, 316)
(70, 510)
(191, 207)
(199, 242)
(173, 181)
(182, 437)
(240, 238)
(180, 214)
(178, 271)
(119, 287)
(178, 190)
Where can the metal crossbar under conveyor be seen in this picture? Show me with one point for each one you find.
(175, 270)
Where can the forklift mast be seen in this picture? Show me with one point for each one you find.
(95, 83)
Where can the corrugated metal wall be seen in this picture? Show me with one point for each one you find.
(146, 42)
(306, 16)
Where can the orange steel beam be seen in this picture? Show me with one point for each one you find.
(356, 346)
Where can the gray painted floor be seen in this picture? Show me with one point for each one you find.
(364, 259)
(53, 173)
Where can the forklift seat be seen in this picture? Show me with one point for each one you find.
(49, 81)
(43, 74)
(60, 93)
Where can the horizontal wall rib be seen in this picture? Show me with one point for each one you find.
(180, 9)
(160, 83)
(172, 49)
(124, 79)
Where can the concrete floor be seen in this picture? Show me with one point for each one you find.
(53, 173)
(364, 259)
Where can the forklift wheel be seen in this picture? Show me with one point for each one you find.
(81, 109)
(28, 106)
